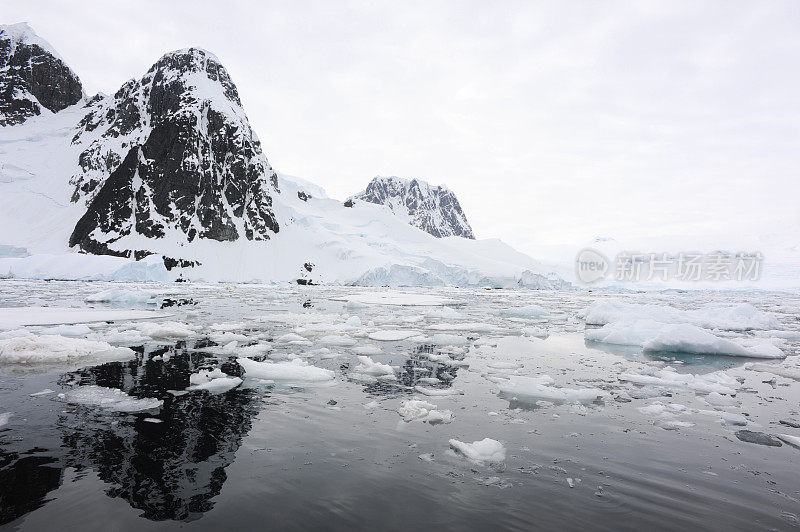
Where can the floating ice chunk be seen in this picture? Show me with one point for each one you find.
(367, 350)
(448, 313)
(672, 424)
(660, 409)
(166, 330)
(109, 398)
(122, 295)
(153, 420)
(290, 337)
(367, 366)
(719, 400)
(393, 335)
(684, 338)
(293, 371)
(12, 317)
(448, 339)
(532, 389)
(54, 349)
(529, 311)
(337, 340)
(73, 331)
(478, 327)
(437, 392)
(218, 384)
(426, 457)
(726, 418)
(794, 441)
(740, 317)
(46, 391)
(228, 327)
(677, 338)
(668, 378)
(486, 450)
(5, 417)
(419, 410)
(790, 372)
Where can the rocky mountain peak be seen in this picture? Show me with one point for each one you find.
(33, 77)
(176, 147)
(435, 210)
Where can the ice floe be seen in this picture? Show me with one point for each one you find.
(790, 372)
(678, 338)
(5, 417)
(294, 371)
(108, 398)
(668, 378)
(421, 410)
(13, 317)
(214, 381)
(393, 335)
(528, 311)
(122, 295)
(486, 450)
(532, 389)
(55, 349)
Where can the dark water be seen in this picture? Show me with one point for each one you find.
(283, 458)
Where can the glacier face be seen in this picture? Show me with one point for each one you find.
(33, 78)
(435, 210)
(166, 179)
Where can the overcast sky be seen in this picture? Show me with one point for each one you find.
(553, 121)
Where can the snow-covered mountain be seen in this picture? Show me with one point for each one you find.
(435, 210)
(166, 179)
(183, 161)
(33, 77)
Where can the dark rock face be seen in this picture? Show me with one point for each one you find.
(435, 210)
(192, 165)
(32, 77)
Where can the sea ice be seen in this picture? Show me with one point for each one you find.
(393, 335)
(296, 370)
(529, 311)
(367, 366)
(740, 317)
(109, 398)
(486, 450)
(420, 410)
(790, 372)
(794, 441)
(122, 295)
(669, 378)
(13, 317)
(532, 389)
(678, 338)
(4, 418)
(214, 381)
(54, 349)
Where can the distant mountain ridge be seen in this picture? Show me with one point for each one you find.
(435, 210)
